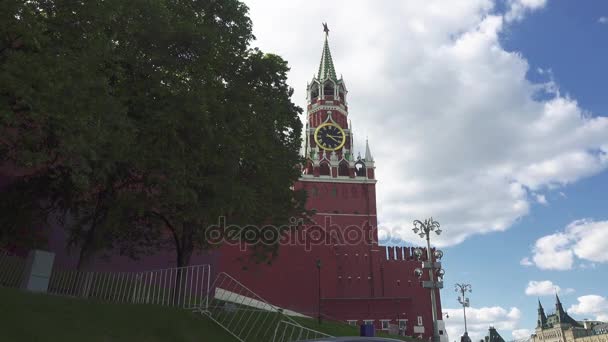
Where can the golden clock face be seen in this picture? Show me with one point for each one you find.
(330, 136)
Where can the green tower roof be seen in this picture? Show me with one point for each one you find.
(326, 68)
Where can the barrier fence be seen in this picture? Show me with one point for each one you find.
(227, 302)
(11, 269)
(248, 317)
(184, 287)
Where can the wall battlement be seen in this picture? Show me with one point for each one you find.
(397, 253)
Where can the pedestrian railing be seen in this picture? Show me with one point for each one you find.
(11, 269)
(227, 302)
(247, 316)
(184, 287)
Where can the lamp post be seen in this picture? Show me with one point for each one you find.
(424, 229)
(319, 278)
(462, 289)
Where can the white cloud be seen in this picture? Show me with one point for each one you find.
(518, 8)
(583, 239)
(541, 199)
(552, 252)
(520, 334)
(526, 262)
(544, 288)
(591, 305)
(603, 20)
(456, 129)
(480, 319)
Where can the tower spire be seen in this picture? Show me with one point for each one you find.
(326, 68)
(542, 318)
(368, 153)
(559, 309)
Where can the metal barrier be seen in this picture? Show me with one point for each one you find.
(290, 332)
(247, 316)
(227, 302)
(184, 287)
(11, 269)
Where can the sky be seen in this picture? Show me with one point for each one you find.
(489, 115)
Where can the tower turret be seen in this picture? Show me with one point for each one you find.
(329, 139)
(559, 310)
(542, 318)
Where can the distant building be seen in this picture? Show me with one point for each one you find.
(560, 327)
(493, 336)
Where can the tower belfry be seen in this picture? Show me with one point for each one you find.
(329, 139)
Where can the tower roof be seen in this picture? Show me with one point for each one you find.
(368, 153)
(557, 299)
(326, 67)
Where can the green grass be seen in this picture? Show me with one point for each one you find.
(36, 317)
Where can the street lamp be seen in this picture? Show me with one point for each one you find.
(319, 277)
(462, 289)
(424, 229)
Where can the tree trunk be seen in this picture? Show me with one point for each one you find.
(184, 250)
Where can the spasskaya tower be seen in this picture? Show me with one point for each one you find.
(345, 275)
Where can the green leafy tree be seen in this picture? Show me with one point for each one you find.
(140, 120)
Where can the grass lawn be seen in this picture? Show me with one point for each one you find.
(28, 317)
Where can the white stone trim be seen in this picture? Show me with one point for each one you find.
(316, 107)
(328, 179)
(334, 214)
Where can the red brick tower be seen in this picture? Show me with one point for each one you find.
(357, 280)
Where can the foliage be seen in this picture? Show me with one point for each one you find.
(39, 317)
(130, 117)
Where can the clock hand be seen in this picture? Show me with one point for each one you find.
(333, 138)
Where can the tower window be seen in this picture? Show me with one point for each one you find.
(360, 169)
(324, 169)
(341, 93)
(343, 169)
(328, 88)
(314, 92)
(309, 168)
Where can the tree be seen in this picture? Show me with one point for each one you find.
(63, 129)
(240, 165)
(134, 117)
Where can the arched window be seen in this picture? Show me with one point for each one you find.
(308, 170)
(360, 169)
(314, 92)
(328, 88)
(343, 169)
(342, 93)
(324, 169)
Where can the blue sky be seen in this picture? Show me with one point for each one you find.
(490, 116)
(567, 38)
